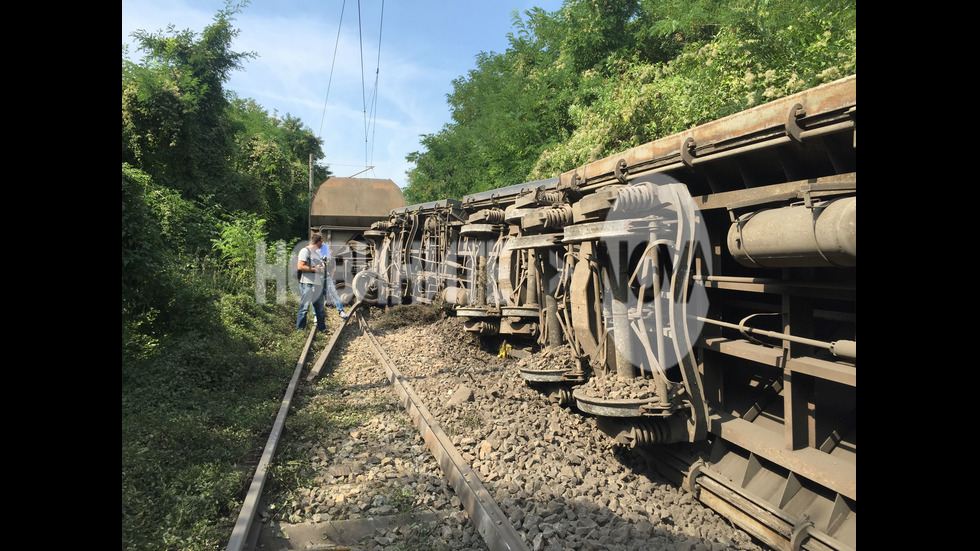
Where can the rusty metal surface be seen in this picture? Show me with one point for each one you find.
(507, 194)
(544, 375)
(611, 407)
(315, 371)
(768, 121)
(627, 260)
(824, 234)
(354, 202)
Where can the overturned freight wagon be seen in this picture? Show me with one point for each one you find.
(705, 283)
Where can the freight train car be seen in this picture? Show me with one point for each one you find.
(705, 284)
(342, 209)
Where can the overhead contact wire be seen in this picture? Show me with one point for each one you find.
(377, 73)
(360, 39)
(336, 47)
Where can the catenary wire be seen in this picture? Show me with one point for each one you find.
(377, 73)
(369, 121)
(332, 63)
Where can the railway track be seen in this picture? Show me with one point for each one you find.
(461, 453)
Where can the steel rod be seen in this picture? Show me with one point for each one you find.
(832, 346)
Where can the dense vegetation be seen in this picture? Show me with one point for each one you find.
(600, 76)
(208, 178)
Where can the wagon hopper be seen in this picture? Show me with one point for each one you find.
(342, 209)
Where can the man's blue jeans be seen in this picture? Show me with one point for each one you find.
(332, 294)
(311, 295)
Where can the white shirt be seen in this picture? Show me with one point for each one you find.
(313, 259)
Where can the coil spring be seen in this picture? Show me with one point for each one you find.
(636, 197)
(382, 225)
(649, 433)
(549, 197)
(494, 216)
(565, 398)
(485, 327)
(558, 217)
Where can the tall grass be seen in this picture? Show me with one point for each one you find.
(197, 403)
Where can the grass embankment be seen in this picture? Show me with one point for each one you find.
(196, 410)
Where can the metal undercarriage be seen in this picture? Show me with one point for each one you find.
(706, 284)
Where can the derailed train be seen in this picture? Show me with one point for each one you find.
(706, 286)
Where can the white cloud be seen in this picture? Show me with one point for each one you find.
(424, 46)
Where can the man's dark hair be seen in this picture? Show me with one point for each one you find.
(317, 239)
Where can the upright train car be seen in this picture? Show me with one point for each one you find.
(342, 209)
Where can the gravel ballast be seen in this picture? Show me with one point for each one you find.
(561, 482)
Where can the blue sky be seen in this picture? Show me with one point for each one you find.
(424, 45)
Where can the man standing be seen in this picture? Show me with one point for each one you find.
(310, 265)
(330, 290)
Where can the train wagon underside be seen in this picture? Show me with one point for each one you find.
(705, 284)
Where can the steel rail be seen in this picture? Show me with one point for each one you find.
(315, 371)
(250, 507)
(490, 521)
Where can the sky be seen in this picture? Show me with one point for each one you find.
(369, 77)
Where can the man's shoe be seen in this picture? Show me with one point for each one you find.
(343, 315)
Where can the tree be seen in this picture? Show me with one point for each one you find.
(271, 164)
(174, 122)
(187, 133)
(730, 58)
(593, 30)
(600, 76)
(504, 112)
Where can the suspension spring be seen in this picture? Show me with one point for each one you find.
(558, 217)
(646, 433)
(549, 197)
(493, 216)
(565, 398)
(486, 327)
(635, 197)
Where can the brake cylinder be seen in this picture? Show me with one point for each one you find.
(823, 234)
